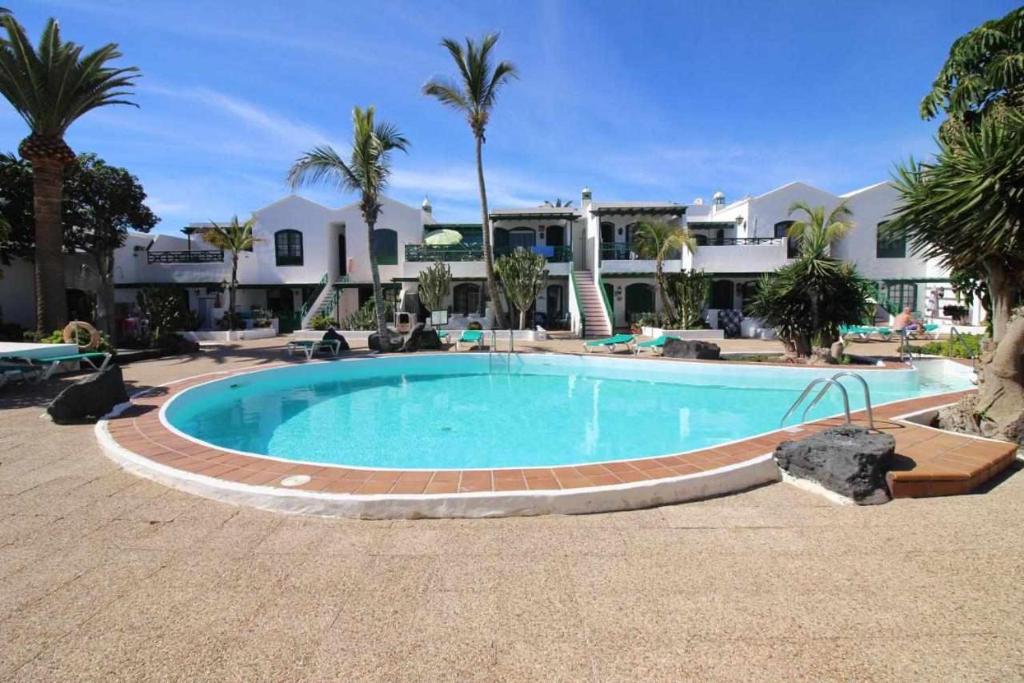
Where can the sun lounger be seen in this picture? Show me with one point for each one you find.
(656, 345)
(51, 363)
(13, 372)
(472, 338)
(610, 343)
(310, 347)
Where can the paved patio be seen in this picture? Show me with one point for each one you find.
(104, 576)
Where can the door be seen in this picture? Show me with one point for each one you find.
(639, 301)
(206, 312)
(342, 255)
(555, 236)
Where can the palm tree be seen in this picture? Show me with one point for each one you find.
(366, 172)
(51, 87)
(234, 237)
(473, 94)
(815, 234)
(818, 231)
(982, 73)
(558, 203)
(658, 240)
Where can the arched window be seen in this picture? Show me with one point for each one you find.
(385, 246)
(288, 247)
(792, 244)
(466, 298)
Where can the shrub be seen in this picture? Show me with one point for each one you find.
(12, 332)
(231, 321)
(688, 292)
(474, 325)
(57, 337)
(165, 308)
(366, 317)
(963, 346)
(956, 312)
(321, 322)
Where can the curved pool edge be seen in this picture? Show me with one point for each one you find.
(611, 498)
(133, 436)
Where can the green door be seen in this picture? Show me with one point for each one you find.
(639, 301)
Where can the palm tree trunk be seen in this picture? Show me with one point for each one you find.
(105, 297)
(659, 277)
(231, 291)
(378, 296)
(1002, 291)
(492, 281)
(51, 298)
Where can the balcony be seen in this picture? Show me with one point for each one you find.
(625, 251)
(475, 252)
(200, 256)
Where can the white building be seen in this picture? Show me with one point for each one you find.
(310, 259)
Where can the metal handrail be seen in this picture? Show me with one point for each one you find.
(807, 390)
(837, 376)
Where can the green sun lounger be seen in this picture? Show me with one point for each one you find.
(610, 343)
(656, 344)
(472, 338)
(54, 362)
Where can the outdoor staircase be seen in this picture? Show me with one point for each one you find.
(592, 305)
(322, 302)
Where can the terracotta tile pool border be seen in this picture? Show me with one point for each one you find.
(137, 438)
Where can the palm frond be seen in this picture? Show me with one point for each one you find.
(53, 85)
(322, 165)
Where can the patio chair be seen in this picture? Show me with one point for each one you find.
(656, 345)
(472, 338)
(610, 343)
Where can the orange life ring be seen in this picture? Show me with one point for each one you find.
(71, 335)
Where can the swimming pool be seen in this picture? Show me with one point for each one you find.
(448, 411)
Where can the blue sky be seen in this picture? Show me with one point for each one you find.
(638, 100)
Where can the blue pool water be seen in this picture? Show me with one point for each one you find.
(469, 411)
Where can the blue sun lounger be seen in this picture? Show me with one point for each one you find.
(472, 338)
(610, 343)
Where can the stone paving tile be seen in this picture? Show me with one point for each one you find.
(775, 583)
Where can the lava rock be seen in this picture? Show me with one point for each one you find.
(91, 397)
(420, 338)
(392, 342)
(685, 348)
(175, 344)
(333, 335)
(848, 460)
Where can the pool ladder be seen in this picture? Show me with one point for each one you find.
(492, 348)
(828, 383)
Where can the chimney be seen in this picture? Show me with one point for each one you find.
(717, 202)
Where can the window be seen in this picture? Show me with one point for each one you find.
(466, 298)
(889, 245)
(792, 244)
(900, 295)
(385, 246)
(288, 247)
(522, 237)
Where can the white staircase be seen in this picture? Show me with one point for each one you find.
(592, 305)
